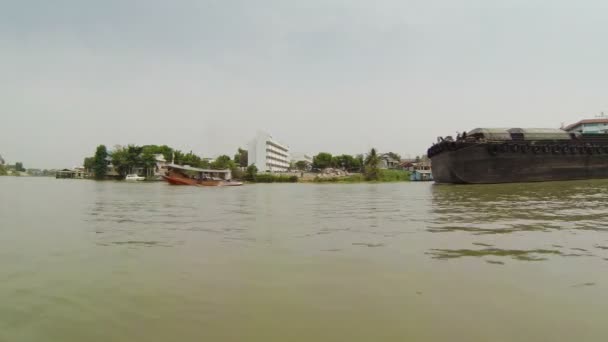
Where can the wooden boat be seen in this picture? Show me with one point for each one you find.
(186, 175)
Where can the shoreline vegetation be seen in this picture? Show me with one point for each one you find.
(115, 164)
(384, 176)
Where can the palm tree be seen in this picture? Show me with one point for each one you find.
(371, 171)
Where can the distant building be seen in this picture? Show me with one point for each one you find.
(161, 165)
(388, 162)
(78, 172)
(599, 125)
(268, 154)
(111, 172)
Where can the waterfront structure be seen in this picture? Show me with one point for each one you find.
(111, 172)
(501, 155)
(591, 126)
(421, 175)
(77, 173)
(388, 162)
(161, 166)
(268, 154)
(65, 173)
(421, 171)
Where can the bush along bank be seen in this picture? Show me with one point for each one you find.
(383, 176)
(272, 178)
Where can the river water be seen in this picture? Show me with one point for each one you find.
(108, 261)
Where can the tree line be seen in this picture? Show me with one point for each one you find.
(368, 165)
(4, 169)
(127, 158)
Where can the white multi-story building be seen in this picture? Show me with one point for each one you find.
(267, 154)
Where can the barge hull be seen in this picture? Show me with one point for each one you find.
(477, 165)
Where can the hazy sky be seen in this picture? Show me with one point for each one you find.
(320, 75)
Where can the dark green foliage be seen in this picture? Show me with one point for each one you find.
(301, 165)
(222, 163)
(322, 160)
(165, 150)
(190, 159)
(99, 162)
(238, 173)
(125, 159)
(371, 169)
(3, 171)
(120, 160)
(346, 162)
(19, 167)
(241, 158)
(251, 173)
(394, 156)
(89, 163)
(148, 160)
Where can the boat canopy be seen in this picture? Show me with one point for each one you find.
(195, 169)
(520, 133)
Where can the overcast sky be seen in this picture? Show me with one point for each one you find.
(320, 75)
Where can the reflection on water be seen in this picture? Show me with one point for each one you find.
(554, 208)
(510, 208)
(110, 261)
(517, 254)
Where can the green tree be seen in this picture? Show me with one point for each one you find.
(322, 160)
(3, 171)
(371, 170)
(89, 163)
(189, 159)
(241, 158)
(302, 165)
(149, 162)
(165, 150)
(120, 160)
(346, 161)
(223, 162)
(99, 162)
(178, 156)
(394, 156)
(19, 167)
(251, 173)
(360, 161)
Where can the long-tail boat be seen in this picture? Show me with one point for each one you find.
(187, 175)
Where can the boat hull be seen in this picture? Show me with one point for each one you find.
(480, 163)
(176, 180)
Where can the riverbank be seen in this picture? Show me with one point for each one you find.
(384, 176)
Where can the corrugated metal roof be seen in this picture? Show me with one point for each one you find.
(492, 133)
(528, 133)
(586, 121)
(190, 168)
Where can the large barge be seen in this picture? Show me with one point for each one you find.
(509, 155)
